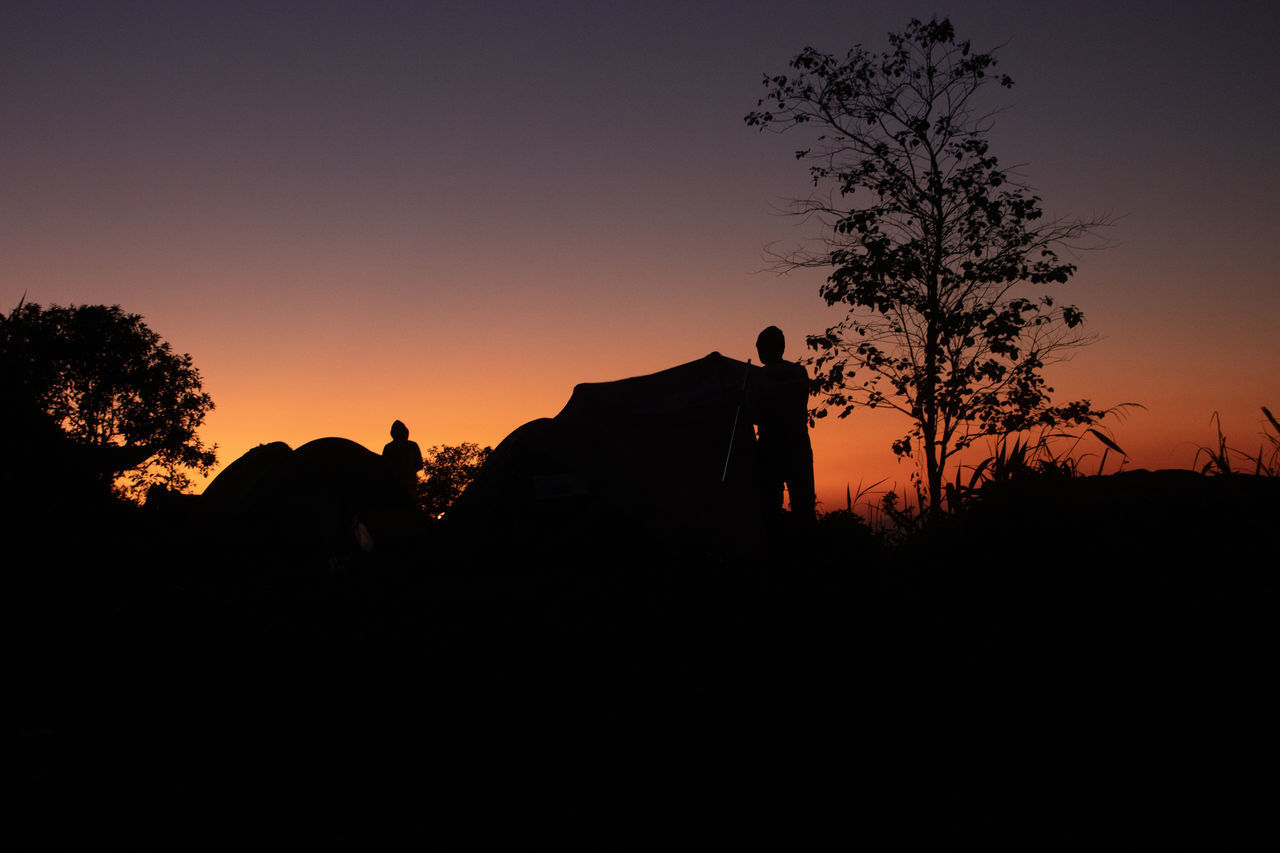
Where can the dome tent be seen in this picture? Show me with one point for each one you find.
(316, 494)
(641, 457)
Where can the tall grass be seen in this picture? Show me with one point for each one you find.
(1048, 453)
(1218, 460)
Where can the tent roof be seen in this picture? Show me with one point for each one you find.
(713, 380)
(646, 452)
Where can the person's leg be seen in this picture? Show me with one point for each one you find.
(800, 488)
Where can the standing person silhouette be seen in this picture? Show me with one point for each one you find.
(781, 415)
(404, 458)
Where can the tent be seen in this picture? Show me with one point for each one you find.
(639, 459)
(327, 493)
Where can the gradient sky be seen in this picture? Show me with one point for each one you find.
(453, 212)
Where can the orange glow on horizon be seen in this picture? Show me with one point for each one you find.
(854, 453)
(363, 219)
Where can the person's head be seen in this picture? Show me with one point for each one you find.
(399, 431)
(770, 345)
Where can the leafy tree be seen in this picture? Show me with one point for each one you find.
(449, 470)
(940, 255)
(118, 394)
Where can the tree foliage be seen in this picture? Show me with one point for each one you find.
(941, 256)
(109, 384)
(449, 470)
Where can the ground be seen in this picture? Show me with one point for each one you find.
(1058, 626)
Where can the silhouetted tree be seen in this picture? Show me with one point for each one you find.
(114, 396)
(933, 247)
(449, 470)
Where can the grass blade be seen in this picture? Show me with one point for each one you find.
(1107, 441)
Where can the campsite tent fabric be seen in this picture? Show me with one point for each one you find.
(640, 457)
(312, 495)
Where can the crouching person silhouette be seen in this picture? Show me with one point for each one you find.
(781, 415)
(404, 457)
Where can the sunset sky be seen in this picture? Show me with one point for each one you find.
(452, 212)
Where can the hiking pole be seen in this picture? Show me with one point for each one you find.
(734, 433)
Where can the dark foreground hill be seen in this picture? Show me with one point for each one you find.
(1113, 622)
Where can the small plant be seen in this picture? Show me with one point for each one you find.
(907, 520)
(836, 529)
(1217, 460)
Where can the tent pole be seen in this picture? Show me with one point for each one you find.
(734, 433)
